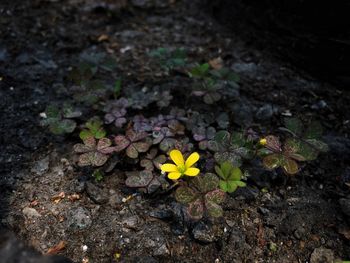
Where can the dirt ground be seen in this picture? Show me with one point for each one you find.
(275, 219)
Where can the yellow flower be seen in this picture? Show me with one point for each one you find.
(181, 167)
(263, 141)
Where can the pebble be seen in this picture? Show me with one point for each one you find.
(204, 233)
(323, 255)
(79, 218)
(41, 166)
(30, 212)
(96, 194)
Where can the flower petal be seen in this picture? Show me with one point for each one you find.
(192, 171)
(168, 167)
(192, 159)
(174, 175)
(177, 157)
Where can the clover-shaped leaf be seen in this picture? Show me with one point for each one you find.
(230, 177)
(197, 119)
(185, 195)
(306, 141)
(133, 142)
(92, 152)
(203, 135)
(144, 180)
(141, 124)
(93, 129)
(196, 209)
(205, 183)
(152, 161)
(231, 147)
(59, 121)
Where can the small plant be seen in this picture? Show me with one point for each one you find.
(93, 152)
(133, 142)
(230, 177)
(152, 160)
(181, 168)
(94, 129)
(98, 175)
(116, 111)
(145, 180)
(231, 147)
(60, 121)
(202, 195)
(169, 60)
(203, 135)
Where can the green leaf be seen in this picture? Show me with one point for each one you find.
(235, 175)
(206, 183)
(294, 125)
(224, 185)
(117, 87)
(272, 161)
(219, 172)
(241, 184)
(200, 71)
(185, 195)
(85, 134)
(289, 166)
(214, 210)
(226, 169)
(314, 130)
(98, 175)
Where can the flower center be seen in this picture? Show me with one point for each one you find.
(181, 168)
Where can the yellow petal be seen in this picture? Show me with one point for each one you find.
(177, 157)
(192, 159)
(168, 167)
(192, 171)
(174, 175)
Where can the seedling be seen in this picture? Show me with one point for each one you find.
(133, 142)
(230, 177)
(60, 121)
(93, 129)
(201, 196)
(93, 152)
(231, 147)
(152, 160)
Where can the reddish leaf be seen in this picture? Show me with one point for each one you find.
(273, 143)
(121, 143)
(56, 249)
(196, 209)
(217, 196)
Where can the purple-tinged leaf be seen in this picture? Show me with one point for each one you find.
(121, 143)
(216, 196)
(213, 209)
(196, 209)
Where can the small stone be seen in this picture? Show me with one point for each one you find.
(30, 212)
(79, 218)
(323, 255)
(41, 166)
(131, 222)
(204, 233)
(96, 194)
(265, 112)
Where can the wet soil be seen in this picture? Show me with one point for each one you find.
(275, 219)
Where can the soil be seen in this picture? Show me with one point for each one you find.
(275, 219)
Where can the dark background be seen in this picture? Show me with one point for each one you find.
(313, 35)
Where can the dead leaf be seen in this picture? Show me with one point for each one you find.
(34, 203)
(73, 197)
(216, 63)
(57, 198)
(56, 249)
(102, 38)
(345, 232)
(260, 236)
